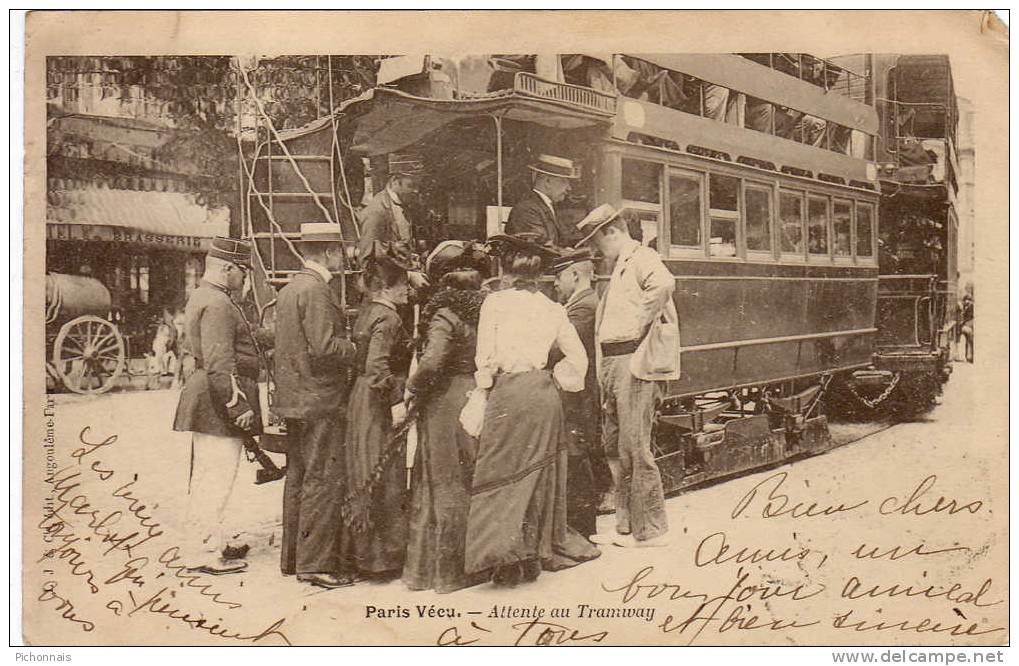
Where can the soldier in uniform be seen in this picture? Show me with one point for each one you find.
(535, 213)
(313, 359)
(219, 403)
(588, 472)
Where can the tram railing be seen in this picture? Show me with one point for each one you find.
(568, 93)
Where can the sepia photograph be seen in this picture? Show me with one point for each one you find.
(610, 344)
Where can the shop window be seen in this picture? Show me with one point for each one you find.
(642, 181)
(724, 201)
(817, 225)
(790, 210)
(758, 205)
(842, 227)
(864, 230)
(685, 209)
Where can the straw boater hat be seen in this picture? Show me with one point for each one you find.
(321, 232)
(550, 165)
(234, 250)
(595, 220)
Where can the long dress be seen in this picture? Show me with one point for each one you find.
(517, 516)
(378, 519)
(444, 460)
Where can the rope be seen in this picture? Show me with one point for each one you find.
(339, 155)
(286, 151)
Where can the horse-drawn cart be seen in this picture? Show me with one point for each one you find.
(89, 353)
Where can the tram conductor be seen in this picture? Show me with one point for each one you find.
(384, 219)
(535, 213)
(637, 330)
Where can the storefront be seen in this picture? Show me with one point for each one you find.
(146, 247)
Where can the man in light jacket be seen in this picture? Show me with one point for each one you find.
(638, 337)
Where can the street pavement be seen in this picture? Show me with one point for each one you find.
(874, 461)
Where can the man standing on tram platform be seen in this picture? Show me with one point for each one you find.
(313, 356)
(218, 405)
(637, 331)
(588, 474)
(384, 219)
(535, 213)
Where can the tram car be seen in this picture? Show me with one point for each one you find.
(918, 244)
(751, 174)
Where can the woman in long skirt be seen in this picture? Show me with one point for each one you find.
(377, 514)
(444, 460)
(517, 521)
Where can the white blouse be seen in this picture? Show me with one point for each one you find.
(516, 331)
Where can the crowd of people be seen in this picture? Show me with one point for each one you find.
(520, 408)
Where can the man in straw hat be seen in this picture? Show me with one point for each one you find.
(535, 213)
(313, 357)
(384, 220)
(588, 475)
(218, 404)
(637, 331)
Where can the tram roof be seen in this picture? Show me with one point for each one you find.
(389, 120)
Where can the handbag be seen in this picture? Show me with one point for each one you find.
(472, 416)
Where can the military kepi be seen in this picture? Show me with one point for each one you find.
(234, 250)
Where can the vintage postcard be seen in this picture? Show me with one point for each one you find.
(515, 328)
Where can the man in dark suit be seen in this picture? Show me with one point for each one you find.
(535, 213)
(313, 355)
(218, 404)
(588, 475)
(384, 220)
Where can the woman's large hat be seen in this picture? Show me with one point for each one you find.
(500, 244)
(550, 165)
(595, 220)
(457, 255)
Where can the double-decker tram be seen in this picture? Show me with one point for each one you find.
(751, 174)
(917, 168)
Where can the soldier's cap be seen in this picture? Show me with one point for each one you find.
(595, 220)
(571, 257)
(234, 250)
(551, 165)
(405, 164)
(321, 232)
(500, 244)
(457, 255)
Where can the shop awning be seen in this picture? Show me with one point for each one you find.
(390, 120)
(174, 220)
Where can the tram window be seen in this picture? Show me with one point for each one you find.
(758, 203)
(724, 199)
(685, 210)
(790, 207)
(817, 226)
(642, 181)
(842, 225)
(864, 230)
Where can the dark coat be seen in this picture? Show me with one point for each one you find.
(379, 222)
(583, 409)
(225, 382)
(532, 215)
(313, 353)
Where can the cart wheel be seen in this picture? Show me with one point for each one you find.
(88, 355)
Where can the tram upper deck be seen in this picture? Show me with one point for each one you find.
(754, 185)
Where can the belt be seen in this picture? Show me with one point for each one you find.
(619, 348)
